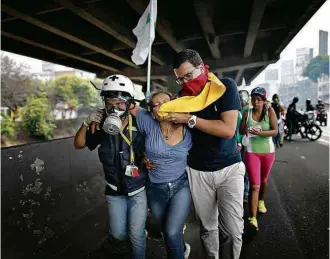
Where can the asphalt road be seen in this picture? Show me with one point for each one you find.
(296, 224)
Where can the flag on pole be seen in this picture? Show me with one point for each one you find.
(145, 33)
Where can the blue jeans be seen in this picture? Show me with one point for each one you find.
(127, 219)
(169, 203)
(279, 132)
(246, 176)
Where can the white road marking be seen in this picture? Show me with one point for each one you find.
(324, 141)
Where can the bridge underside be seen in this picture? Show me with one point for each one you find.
(237, 38)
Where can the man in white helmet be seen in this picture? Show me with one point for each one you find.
(121, 149)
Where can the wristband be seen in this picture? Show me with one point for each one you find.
(85, 123)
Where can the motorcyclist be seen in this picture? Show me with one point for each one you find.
(322, 116)
(319, 105)
(291, 117)
(309, 106)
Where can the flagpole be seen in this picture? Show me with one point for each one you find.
(149, 55)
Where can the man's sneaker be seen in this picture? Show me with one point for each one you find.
(186, 250)
(253, 222)
(261, 206)
(146, 233)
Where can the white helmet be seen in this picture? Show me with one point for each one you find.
(118, 83)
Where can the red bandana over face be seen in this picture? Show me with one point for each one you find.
(195, 86)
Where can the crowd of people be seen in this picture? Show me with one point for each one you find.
(208, 146)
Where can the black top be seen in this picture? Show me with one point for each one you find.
(211, 153)
(277, 110)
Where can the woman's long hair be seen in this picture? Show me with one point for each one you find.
(264, 108)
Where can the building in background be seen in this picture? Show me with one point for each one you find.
(271, 75)
(302, 89)
(48, 73)
(287, 72)
(303, 57)
(324, 88)
(272, 81)
(323, 42)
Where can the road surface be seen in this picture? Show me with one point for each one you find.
(296, 225)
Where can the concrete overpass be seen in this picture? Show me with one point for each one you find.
(236, 38)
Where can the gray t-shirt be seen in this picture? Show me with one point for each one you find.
(170, 161)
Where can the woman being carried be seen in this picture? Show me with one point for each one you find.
(167, 146)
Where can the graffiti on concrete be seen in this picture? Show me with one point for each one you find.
(20, 155)
(33, 188)
(84, 189)
(48, 196)
(38, 166)
(29, 205)
(43, 235)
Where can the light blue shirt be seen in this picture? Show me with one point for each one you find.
(170, 161)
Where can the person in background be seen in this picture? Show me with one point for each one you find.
(122, 158)
(279, 110)
(260, 124)
(244, 99)
(309, 106)
(319, 105)
(167, 146)
(290, 118)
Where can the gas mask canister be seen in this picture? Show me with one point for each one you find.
(115, 114)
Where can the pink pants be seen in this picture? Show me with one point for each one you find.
(258, 167)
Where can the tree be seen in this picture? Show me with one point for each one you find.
(72, 91)
(317, 67)
(16, 83)
(37, 118)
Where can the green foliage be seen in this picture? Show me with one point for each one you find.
(71, 90)
(16, 83)
(37, 118)
(7, 127)
(317, 67)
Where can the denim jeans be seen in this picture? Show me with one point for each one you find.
(277, 138)
(169, 203)
(246, 176)
(127, 219)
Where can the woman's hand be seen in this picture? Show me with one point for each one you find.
(149, 165)
(177, 117)
(254, 131)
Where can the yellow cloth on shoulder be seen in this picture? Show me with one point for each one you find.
(212, 91)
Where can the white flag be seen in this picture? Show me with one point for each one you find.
(145, 31)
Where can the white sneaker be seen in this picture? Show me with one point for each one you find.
(187, 251)
(146, 233)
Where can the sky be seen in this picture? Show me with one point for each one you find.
(307, 37)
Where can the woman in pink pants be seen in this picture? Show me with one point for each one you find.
(259, 124)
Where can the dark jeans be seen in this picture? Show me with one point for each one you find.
(169, 203)
(290, 124)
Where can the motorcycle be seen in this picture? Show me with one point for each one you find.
(306, 126)
(322, 117)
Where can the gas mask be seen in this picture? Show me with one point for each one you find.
(115, 114)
